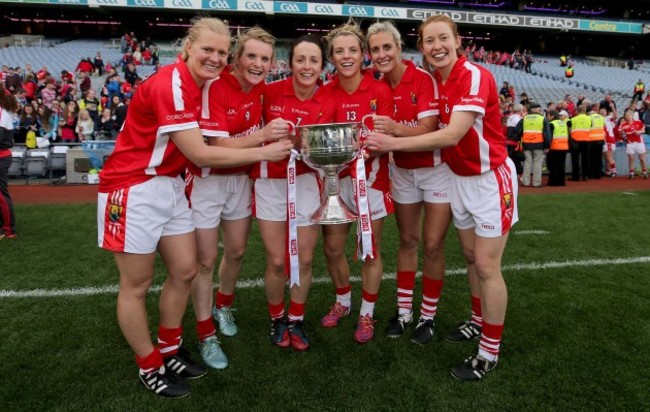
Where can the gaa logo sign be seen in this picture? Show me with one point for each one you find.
(365, 222)
(389, 12)
(145, 3)
(220, 4)
(108, 2)
(320, 9)
(293, 247)
(292, 176)
(69, 1)
(292, 210)
(254, 5)
(289, 7)
(357, 11)
(182, 3)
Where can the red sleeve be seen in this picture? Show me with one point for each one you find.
(214, 121)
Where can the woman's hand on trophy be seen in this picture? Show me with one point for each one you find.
(379, 142)
(277, 151)
(384, 124)
(276, 129)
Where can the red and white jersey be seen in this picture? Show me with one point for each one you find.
(415, 97)
(280, 101)
(166, 102)
(471, 87)
(228, 113)
(371, 97)
(610, 127)
(632, 131)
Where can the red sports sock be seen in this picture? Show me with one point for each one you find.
(344, 290)
(150, 362)
(276, 310)
(224, 300)
(405, 286)
(477, 316)
(431, 290)
(488, 347)
(296, 311)
(169, 339)
(205, 328)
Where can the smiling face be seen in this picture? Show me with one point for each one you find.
(306, 64)
(384, 51)
(347, 55)
(254, 63)
(439, 44)
(207, 55)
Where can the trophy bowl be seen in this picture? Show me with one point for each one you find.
(329, 148)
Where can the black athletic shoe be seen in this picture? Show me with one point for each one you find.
(397, 324)
(473, 369)
(182, 364)
(280, 333)
(465, 331)
(165, 383)
(423, 332)
(299, 339)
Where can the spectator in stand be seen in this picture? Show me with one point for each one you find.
(137, 56)
(29, 70)
(569, 71)
(146, 56)
(131, 74)
(105, 126)
(155, 58)
(525, 101)
(12, 80)
(504, 91)
(631, 131)
(610, 142)
(639, 89)
(98, 62)
(556, 156)
(113, 88)
(85, 128)
(85, 65)
(513, 138)
(29, 85)
(118, 111)
(68, 93)
(91, 103)
(570, 105)
(26, 124)
(8, 108)
(85, 83)
(48, 123)
(126, 59)
(609, 104)
(536, 139)
(528, 61)
(68, 122)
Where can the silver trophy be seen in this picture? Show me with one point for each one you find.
(329, 148)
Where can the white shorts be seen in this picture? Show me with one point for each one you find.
(217, 197)
(487, 202)
(609, 147)
(134, 219)
(271, 199)
(632, 148)
(380, 203)
(428, 184)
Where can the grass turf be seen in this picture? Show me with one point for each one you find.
(575, 335)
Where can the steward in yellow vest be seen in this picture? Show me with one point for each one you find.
(556, 156)
(579, 145)
(560, 131)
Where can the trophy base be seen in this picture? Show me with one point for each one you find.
(333, 212)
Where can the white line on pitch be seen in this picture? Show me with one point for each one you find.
(530, 232)
(257, 283)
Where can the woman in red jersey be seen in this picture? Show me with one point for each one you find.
(357, 94)
(421, 181)
(221, 198)
(632, 133)
(483, 183)
(301, 100)
(142, 207)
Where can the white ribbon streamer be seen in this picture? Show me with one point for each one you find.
(294, 267)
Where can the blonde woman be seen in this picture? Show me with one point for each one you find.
(142, 207)
(85, 127)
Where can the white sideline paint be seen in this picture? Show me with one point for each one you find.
(530, 232)
(258, 283)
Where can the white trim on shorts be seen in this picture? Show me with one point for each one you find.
(134, 219)
(486, 202)
(271, 199)
(427, 184)
(217, 197)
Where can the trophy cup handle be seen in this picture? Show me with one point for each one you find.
(363, 122)
(295, 138)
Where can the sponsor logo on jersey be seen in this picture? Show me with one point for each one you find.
(276, 108)
(180, 116)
